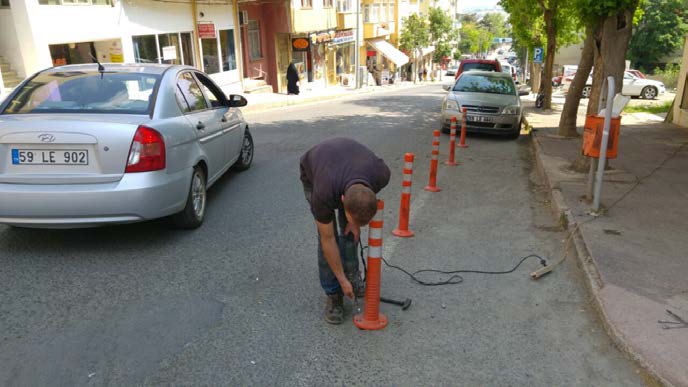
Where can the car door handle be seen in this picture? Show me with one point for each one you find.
(200, 125)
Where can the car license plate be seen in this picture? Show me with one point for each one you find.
(479, 118)
(49, 157)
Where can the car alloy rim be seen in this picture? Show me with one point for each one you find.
(198, 195)
(650, 93)
(246, 150)
(586, 91)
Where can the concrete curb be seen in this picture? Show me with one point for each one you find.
(256, 108)
(586, 261)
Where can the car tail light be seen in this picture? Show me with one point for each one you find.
(147, 152)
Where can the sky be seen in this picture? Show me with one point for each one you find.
(480, 4)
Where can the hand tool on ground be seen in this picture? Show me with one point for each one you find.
(404, 304)
(677, 324)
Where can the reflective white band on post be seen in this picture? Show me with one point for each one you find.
(408, 165)
(375, 252)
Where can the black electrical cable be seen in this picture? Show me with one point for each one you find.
(455, 277)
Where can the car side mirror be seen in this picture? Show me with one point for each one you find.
(236, 100)
(446, 87)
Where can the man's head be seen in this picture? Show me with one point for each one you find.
(360, 204)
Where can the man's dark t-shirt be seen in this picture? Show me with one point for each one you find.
(332, 166)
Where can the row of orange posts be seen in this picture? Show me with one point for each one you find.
(371, 318)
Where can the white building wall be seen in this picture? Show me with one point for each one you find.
(38, 26)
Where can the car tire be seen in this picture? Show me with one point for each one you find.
(587, 90)
(649, 92)
(194, 211)
(246, 156)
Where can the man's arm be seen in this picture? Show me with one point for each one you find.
(331, 252)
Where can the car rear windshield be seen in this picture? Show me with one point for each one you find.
(479, 66)
(85, 92)
(491, 84)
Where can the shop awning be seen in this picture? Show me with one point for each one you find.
(428, 50)
(390, 52)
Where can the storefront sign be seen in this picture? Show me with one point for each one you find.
(322, 37)
(169, 53)
(300, 44)
(342, 37)
(206, 31)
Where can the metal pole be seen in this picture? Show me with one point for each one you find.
(358, 44)
(603, 146)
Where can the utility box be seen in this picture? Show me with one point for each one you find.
(592, 136)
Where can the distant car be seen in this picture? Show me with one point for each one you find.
(633, 86)
(492, 102)
(637, 73)
(478, 64)
(451, 71)
(509, 69)
(84, 145)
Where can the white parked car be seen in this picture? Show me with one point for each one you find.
(633, 86)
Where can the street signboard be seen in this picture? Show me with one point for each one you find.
(206, 30)
(537, 55)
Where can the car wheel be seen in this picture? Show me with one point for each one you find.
(194, 212)
(587, 90)
(649, 92)
(246, 156)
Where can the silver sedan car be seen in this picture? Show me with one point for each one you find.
(89, 145)
(491, 100)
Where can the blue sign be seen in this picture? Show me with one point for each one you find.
(537, 55)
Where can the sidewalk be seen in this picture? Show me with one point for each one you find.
(634, 255)
(265, 101)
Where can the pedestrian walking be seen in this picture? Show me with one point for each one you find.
(341, 178)
(292, 79)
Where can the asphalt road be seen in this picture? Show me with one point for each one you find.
(237, 302)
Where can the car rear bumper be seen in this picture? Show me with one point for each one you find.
(136, 197)
(502, 123)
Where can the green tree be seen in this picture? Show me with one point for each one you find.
(442, 32)
(469, 18)
(474, 39)
(496, 23)
(415, 34)
(660, 32)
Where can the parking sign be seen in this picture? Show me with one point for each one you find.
(537, 55)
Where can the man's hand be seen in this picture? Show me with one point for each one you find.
(354, 229)
(347, 288)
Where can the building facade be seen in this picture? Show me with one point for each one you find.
(36, 34)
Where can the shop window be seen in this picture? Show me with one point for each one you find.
(366, 14)
(684, 99)
(255, 51)
(187, 49)
(306, 3)
(4, 3)
(228, 50)
(211, 59)
(328, 3)
(72, 53)
(145, 49)
(170, 49)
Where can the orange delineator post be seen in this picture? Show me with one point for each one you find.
(462, 143)
(452, 143)
(371, 318)
(405, 208)
(432, 185)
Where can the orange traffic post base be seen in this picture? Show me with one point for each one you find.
(432, 185)
(371, 319)
(462, 142)
(405, 208)
(452, 143)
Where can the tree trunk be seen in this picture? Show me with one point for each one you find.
(551, 49)
(611, 44)
(536, 77)
(569, 115)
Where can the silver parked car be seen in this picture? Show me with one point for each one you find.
(492, 102)
(88, 145)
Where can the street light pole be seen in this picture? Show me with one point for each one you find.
(358, 44)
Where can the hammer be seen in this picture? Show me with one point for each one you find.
(404, 304)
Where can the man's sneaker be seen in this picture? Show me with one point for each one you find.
(334, 309)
